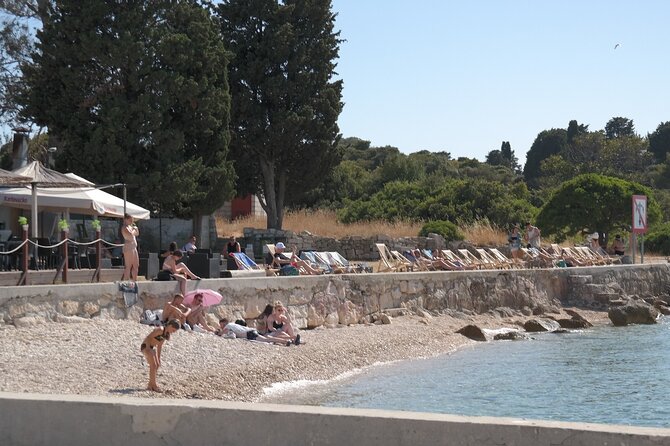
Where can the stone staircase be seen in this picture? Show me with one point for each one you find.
(596, 295)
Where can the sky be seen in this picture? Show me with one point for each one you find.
(464, 76)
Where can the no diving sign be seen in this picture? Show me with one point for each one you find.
(639, 214)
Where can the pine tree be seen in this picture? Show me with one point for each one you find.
(285, 103)
(136, 92)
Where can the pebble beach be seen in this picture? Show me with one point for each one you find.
(102, 357)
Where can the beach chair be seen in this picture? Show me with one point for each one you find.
(578, 257)
(589, 254)
(456, 260)
(386, 262)
(244, 262)
(418, 262)
(346, 264)
(402, 260)
(489, 260)
(469, 259)
(502, 258)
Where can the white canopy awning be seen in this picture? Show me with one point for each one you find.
(81, 200)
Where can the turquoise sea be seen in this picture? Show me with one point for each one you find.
(615, 375)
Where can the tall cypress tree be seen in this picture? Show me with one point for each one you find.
(136, 92)
(285, 103)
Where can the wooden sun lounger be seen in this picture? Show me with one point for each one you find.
(488, 259)
(589, 254)
(511, 263)
(402, 260)
(470, 259)
(386, 261)
(578, 256)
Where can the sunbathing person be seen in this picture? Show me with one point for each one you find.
(151, 349)
(176, 310)
(279, 325)
(262, 319)
(281, 259)
(242, 332)
(179, 271)
(196, 317)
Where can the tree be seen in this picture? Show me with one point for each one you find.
(16, 43)
(136, 92)
(659, 141)
(285, 101)
(575, 129)
(547, 143)
(618, 127)
(595, 203)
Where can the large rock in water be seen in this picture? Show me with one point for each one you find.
(633, 312)
(472, 332)
(536, 325)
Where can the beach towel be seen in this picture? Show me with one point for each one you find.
(129, 290)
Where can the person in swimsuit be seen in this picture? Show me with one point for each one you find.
(242, 332)
(131, 259)
(280, 326)
(262, 319)
(196, 315)
(231, 247)
(151, 349)
(179, 271)
(176, 310)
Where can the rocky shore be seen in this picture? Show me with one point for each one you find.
(102, 357)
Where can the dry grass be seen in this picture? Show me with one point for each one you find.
(323, 223)
(483, 233)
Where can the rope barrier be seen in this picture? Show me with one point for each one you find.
(67, 240)
(15, 249)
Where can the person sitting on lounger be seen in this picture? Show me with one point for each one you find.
(282, 259)
(242, 332)
(179, 271)
(618, 248)
(279, 325)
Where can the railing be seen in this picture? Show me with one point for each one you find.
(24, 262)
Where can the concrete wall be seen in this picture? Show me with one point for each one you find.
(35, 420)
(346, 299)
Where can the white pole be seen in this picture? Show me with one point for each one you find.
(33, 223)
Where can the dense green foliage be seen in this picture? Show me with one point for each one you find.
(285, 101)
(446, 229)
(591, 203)
(153, 93)
(136, 93)
(658, 239)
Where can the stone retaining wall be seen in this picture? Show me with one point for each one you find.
(56, 420)
(350, 298)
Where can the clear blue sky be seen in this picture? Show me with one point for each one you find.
(463, 76)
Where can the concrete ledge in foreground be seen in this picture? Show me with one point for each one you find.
(31, 419)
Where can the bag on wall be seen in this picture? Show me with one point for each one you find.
(288, 270)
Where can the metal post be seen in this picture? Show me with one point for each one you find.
(65, 256)
(125, 200)
(23, 280)
(642, 248)
(633, 245)
(98, 256)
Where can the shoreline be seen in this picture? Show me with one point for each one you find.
(102, 357)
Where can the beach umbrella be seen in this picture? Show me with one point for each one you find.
(10, 179)
(43, 177)
(209, 297)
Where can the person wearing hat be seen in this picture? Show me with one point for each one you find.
(618, 247)
(281, 259)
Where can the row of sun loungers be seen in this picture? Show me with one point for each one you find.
(487, 258)
(325, 262)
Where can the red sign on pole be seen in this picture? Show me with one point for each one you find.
(639, 214)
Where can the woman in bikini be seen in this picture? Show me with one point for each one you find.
(131, 259)
(151, 349)
(280, 326)
(179, 271)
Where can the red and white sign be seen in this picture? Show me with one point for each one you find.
(639, 214)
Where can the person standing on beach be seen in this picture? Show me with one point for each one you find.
(532, 236)
(131, 258)
(151, 349)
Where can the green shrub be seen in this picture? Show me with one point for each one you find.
(658, 240)
(445, 228)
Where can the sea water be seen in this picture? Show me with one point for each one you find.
(614, 375)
